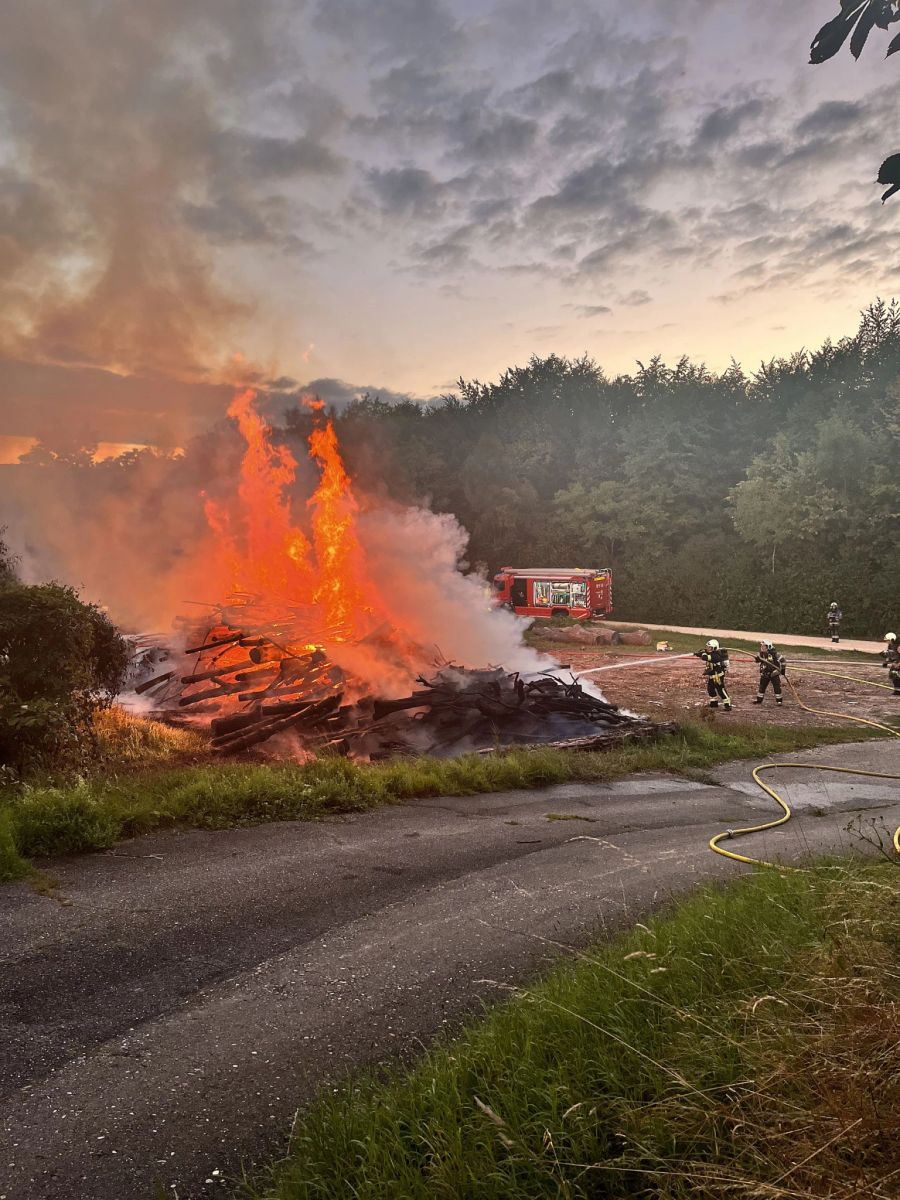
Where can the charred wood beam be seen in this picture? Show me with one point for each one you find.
(311, 717)
(149, 684)
(640, 731)
(210, 694)
(222, 641)
(278, 689)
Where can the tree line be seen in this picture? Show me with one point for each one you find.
(720, 499)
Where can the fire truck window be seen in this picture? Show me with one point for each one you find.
(519, 593)
(499, 585)
(542, 595)
(559, 593)
(579, 594)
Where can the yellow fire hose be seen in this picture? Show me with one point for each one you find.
(786, 814)
(835, 675)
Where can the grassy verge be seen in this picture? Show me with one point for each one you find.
(743, 1046)
(92, 814)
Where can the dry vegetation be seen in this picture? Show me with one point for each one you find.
(744, 1046)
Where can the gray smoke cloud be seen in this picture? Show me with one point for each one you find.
(132, 146)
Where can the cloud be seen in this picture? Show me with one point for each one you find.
(424, 29)
(592, 310)
(404, 191)
(133, 164)
(724, 121)
(834, 116)
(338, 394)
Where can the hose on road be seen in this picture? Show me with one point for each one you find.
(770, 791)
(786, 813)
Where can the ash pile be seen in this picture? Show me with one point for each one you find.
(249, 683)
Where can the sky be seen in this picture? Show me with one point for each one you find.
(338, 195)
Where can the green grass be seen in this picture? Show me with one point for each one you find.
(742, 1046)
(45, 819)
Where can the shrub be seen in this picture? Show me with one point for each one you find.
(60, 660)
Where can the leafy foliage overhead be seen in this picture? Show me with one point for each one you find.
(855, 21)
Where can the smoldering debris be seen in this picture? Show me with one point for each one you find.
(247, 685)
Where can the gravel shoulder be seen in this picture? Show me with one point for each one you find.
(672, 688)
(785, 639)
(162, 1017)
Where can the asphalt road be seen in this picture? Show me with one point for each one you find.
(162, 1018)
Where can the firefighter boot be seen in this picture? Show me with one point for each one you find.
(757, 699)
(713, 704)
(779, 700)
(727, 706)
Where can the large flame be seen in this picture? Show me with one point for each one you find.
(341, 588)
(269, 555)
(264, 553)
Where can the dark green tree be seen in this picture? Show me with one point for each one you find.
(60, 660)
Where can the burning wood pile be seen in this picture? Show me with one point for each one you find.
(249, 679)
(308, 648)
(249, 682)
(459, 710)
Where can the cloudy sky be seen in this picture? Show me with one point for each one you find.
(391, 195)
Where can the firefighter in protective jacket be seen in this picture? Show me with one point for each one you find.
(772, 666)
(715, 667)
(891, 656)
(834, 616)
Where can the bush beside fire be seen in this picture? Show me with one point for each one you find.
(60, 661)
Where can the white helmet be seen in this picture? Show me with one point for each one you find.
(833, 604)
(890, 637)
(768, 645)
(712, 644)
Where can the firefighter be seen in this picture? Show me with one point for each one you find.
(772, 666)
(891, 656)
(715, 662)
(834, 616)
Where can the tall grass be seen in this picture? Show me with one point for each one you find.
(124, 739)
(57, 818)
(744, 1046)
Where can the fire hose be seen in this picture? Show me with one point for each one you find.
(770, 791)
(786, 814)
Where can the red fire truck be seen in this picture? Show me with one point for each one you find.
(555, 591)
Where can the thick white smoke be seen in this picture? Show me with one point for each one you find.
(412, 560)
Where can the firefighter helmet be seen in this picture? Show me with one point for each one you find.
(712, 644)
(768, 645)
(833, 604)
(890, 637)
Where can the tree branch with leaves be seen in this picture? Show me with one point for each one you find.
(855, 21)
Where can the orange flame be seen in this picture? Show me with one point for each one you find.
(274, 558)
(341, 589)
(264, 552)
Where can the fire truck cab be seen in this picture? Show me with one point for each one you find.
(555, 591)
